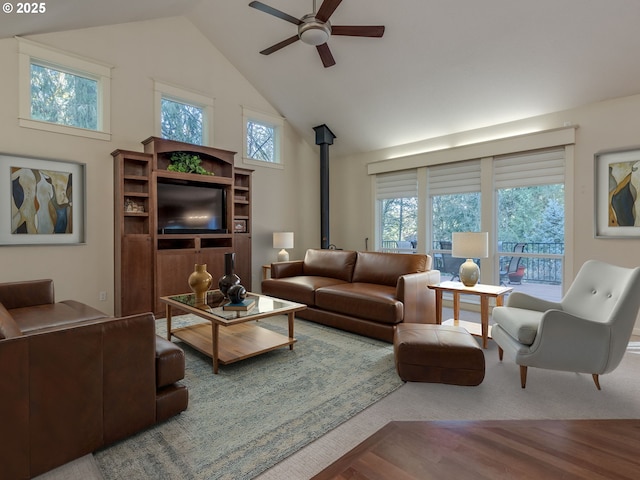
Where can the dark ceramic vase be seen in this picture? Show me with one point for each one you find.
(229, 278)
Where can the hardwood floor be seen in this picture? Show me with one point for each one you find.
(496, 449)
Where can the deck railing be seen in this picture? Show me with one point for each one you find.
(542, 260)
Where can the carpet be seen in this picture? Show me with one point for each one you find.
(257, 412)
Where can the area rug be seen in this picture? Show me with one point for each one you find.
(257, 412)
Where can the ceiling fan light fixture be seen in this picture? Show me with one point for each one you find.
(314, 32)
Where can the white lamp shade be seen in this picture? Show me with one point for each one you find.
(282, 239)
(470, 245)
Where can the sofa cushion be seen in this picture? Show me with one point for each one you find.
(385, 268)
(330, 263)
(8, 326)
(519, 323)
(300, 289)
(362, 300)
(39, 317)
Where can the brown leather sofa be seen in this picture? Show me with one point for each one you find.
(368, 293)
(74, 380)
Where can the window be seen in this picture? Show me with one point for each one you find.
(262, 134)
(181, 121)
(397, 202)
(530, 219)
(63, 93)
(518, 198)
(182, 115)
(63, 98)
(454, 199)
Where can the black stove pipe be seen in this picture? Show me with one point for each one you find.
(324, 138)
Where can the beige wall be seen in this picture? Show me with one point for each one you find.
(140, 53)
(601, 126)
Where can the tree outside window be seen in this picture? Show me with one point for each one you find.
(399, 223)
(182, 122)
(458, 212)
(261, 141)
(63, 98)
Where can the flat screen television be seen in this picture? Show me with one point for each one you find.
(191, 208)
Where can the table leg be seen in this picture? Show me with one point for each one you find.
(215, 330)
(169, 311)
(439, 307)
(456, 306)
(291, 316)
(484, 318)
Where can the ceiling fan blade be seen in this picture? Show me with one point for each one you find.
(358, 31)
(326, 9)
(279, 45)
(275, 12)
(325, 55)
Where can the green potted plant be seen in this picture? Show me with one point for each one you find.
(184, 162)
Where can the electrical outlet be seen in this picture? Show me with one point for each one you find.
(103, 296)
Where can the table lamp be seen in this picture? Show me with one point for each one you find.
(283, 240)
(470, 245)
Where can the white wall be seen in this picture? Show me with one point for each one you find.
(172, 51)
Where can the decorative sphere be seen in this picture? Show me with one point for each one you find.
(226, 282)
(237, 293)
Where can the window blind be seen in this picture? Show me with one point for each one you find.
(530, 169)
(402, 184)
(452, 178)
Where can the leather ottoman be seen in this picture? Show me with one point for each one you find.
(437, 354)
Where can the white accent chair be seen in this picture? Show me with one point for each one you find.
(586, 332)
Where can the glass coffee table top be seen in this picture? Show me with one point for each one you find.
(214, 305)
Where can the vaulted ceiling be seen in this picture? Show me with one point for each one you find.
(442, 66)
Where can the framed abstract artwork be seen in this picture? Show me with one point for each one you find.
(617, 193)
(41, 201)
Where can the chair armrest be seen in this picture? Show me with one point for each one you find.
(527, 302)
(26, 294)
(287, 269)
(567, 342)
(418, 300)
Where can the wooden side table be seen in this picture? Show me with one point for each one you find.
(485, 292)
(266, 271)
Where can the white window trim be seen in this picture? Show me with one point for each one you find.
(179, 94)
(57, 59)
(273, 120)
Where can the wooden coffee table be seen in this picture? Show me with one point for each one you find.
(240, 336)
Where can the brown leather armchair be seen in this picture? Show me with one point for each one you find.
(72, 386)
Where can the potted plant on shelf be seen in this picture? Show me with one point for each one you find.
(184, 162)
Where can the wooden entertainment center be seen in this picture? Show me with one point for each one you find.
(152, 263)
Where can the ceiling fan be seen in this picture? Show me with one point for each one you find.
(315, 29)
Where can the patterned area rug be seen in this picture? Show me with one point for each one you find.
(257, 412)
